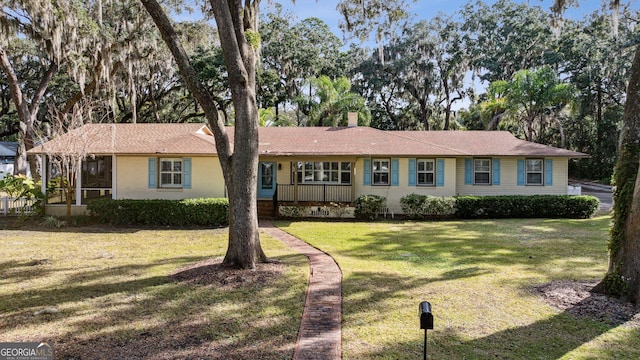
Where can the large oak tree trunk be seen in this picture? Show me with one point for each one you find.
(623, 275)
(630, 256)
(234, 21)
(26, 112)
(240, 168)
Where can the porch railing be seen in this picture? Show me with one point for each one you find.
(323, 193)
(15, 206)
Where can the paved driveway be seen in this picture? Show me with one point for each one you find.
(606, 199)
(602, 192)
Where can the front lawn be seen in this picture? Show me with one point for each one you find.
(483, 280)
(128, 293)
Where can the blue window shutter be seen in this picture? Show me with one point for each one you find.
(468, 171)
(395, 172)
(153, 173)
(412, 172)
(496, 171)
(367, 172)
(520, 172)
(186, 172)
(548, 172)
(440, 172)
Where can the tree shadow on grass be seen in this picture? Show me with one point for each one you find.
(478, 244)
(34, 224)
(14, 271)
(464, 250)
(80, 285)
(158, 317)
(550, 338)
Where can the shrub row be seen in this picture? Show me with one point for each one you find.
(190, 212)
(417, 206)
(517, 206)
(535, 206)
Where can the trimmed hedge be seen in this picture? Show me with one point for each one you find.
(189, 212)
(535, 206)
(369, 206)
(417, 206)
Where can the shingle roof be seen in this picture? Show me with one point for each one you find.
(298, 141)
(344, 141)
(134, 139)
(488, 143)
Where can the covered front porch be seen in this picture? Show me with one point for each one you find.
(94, 178)
(318, 187)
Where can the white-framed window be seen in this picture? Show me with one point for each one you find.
(425, 171)
(381, 171)
(482, 171)
(534, 171)
(170, 173)
(321, 172)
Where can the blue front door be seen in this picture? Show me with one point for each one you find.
(266, 180)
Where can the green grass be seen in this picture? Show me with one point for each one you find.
(114, 298)
(478, 277)
(113, 292)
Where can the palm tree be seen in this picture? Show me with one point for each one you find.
(533, 98)
(332, 100)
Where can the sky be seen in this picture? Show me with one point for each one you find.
(423, 9)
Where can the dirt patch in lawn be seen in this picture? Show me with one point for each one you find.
(576, 298)
(212, 272)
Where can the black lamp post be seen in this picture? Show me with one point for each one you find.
(426, 322)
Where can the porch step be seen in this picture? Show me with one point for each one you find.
(265, 209)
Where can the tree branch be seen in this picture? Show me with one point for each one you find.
(42, 87)
(14, 86)
(190, 77)
(89, 88)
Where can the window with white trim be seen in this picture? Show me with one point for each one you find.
(534, 171)
(482, 171)
(321, 172)
(170, 173)
(381, 170)
(425, 171)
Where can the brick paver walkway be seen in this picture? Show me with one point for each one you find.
(320, 335)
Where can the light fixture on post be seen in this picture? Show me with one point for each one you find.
(426, 322)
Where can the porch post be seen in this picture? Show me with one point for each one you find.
(79, 183)
(295, 182)
(114, 177)
(353, 181)
(44, 174)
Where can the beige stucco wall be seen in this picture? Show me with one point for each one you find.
(132, 179)
(509, 180)
(61, 210)
(395, 193)
(207, 179)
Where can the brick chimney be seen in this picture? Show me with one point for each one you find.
(353, 119)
